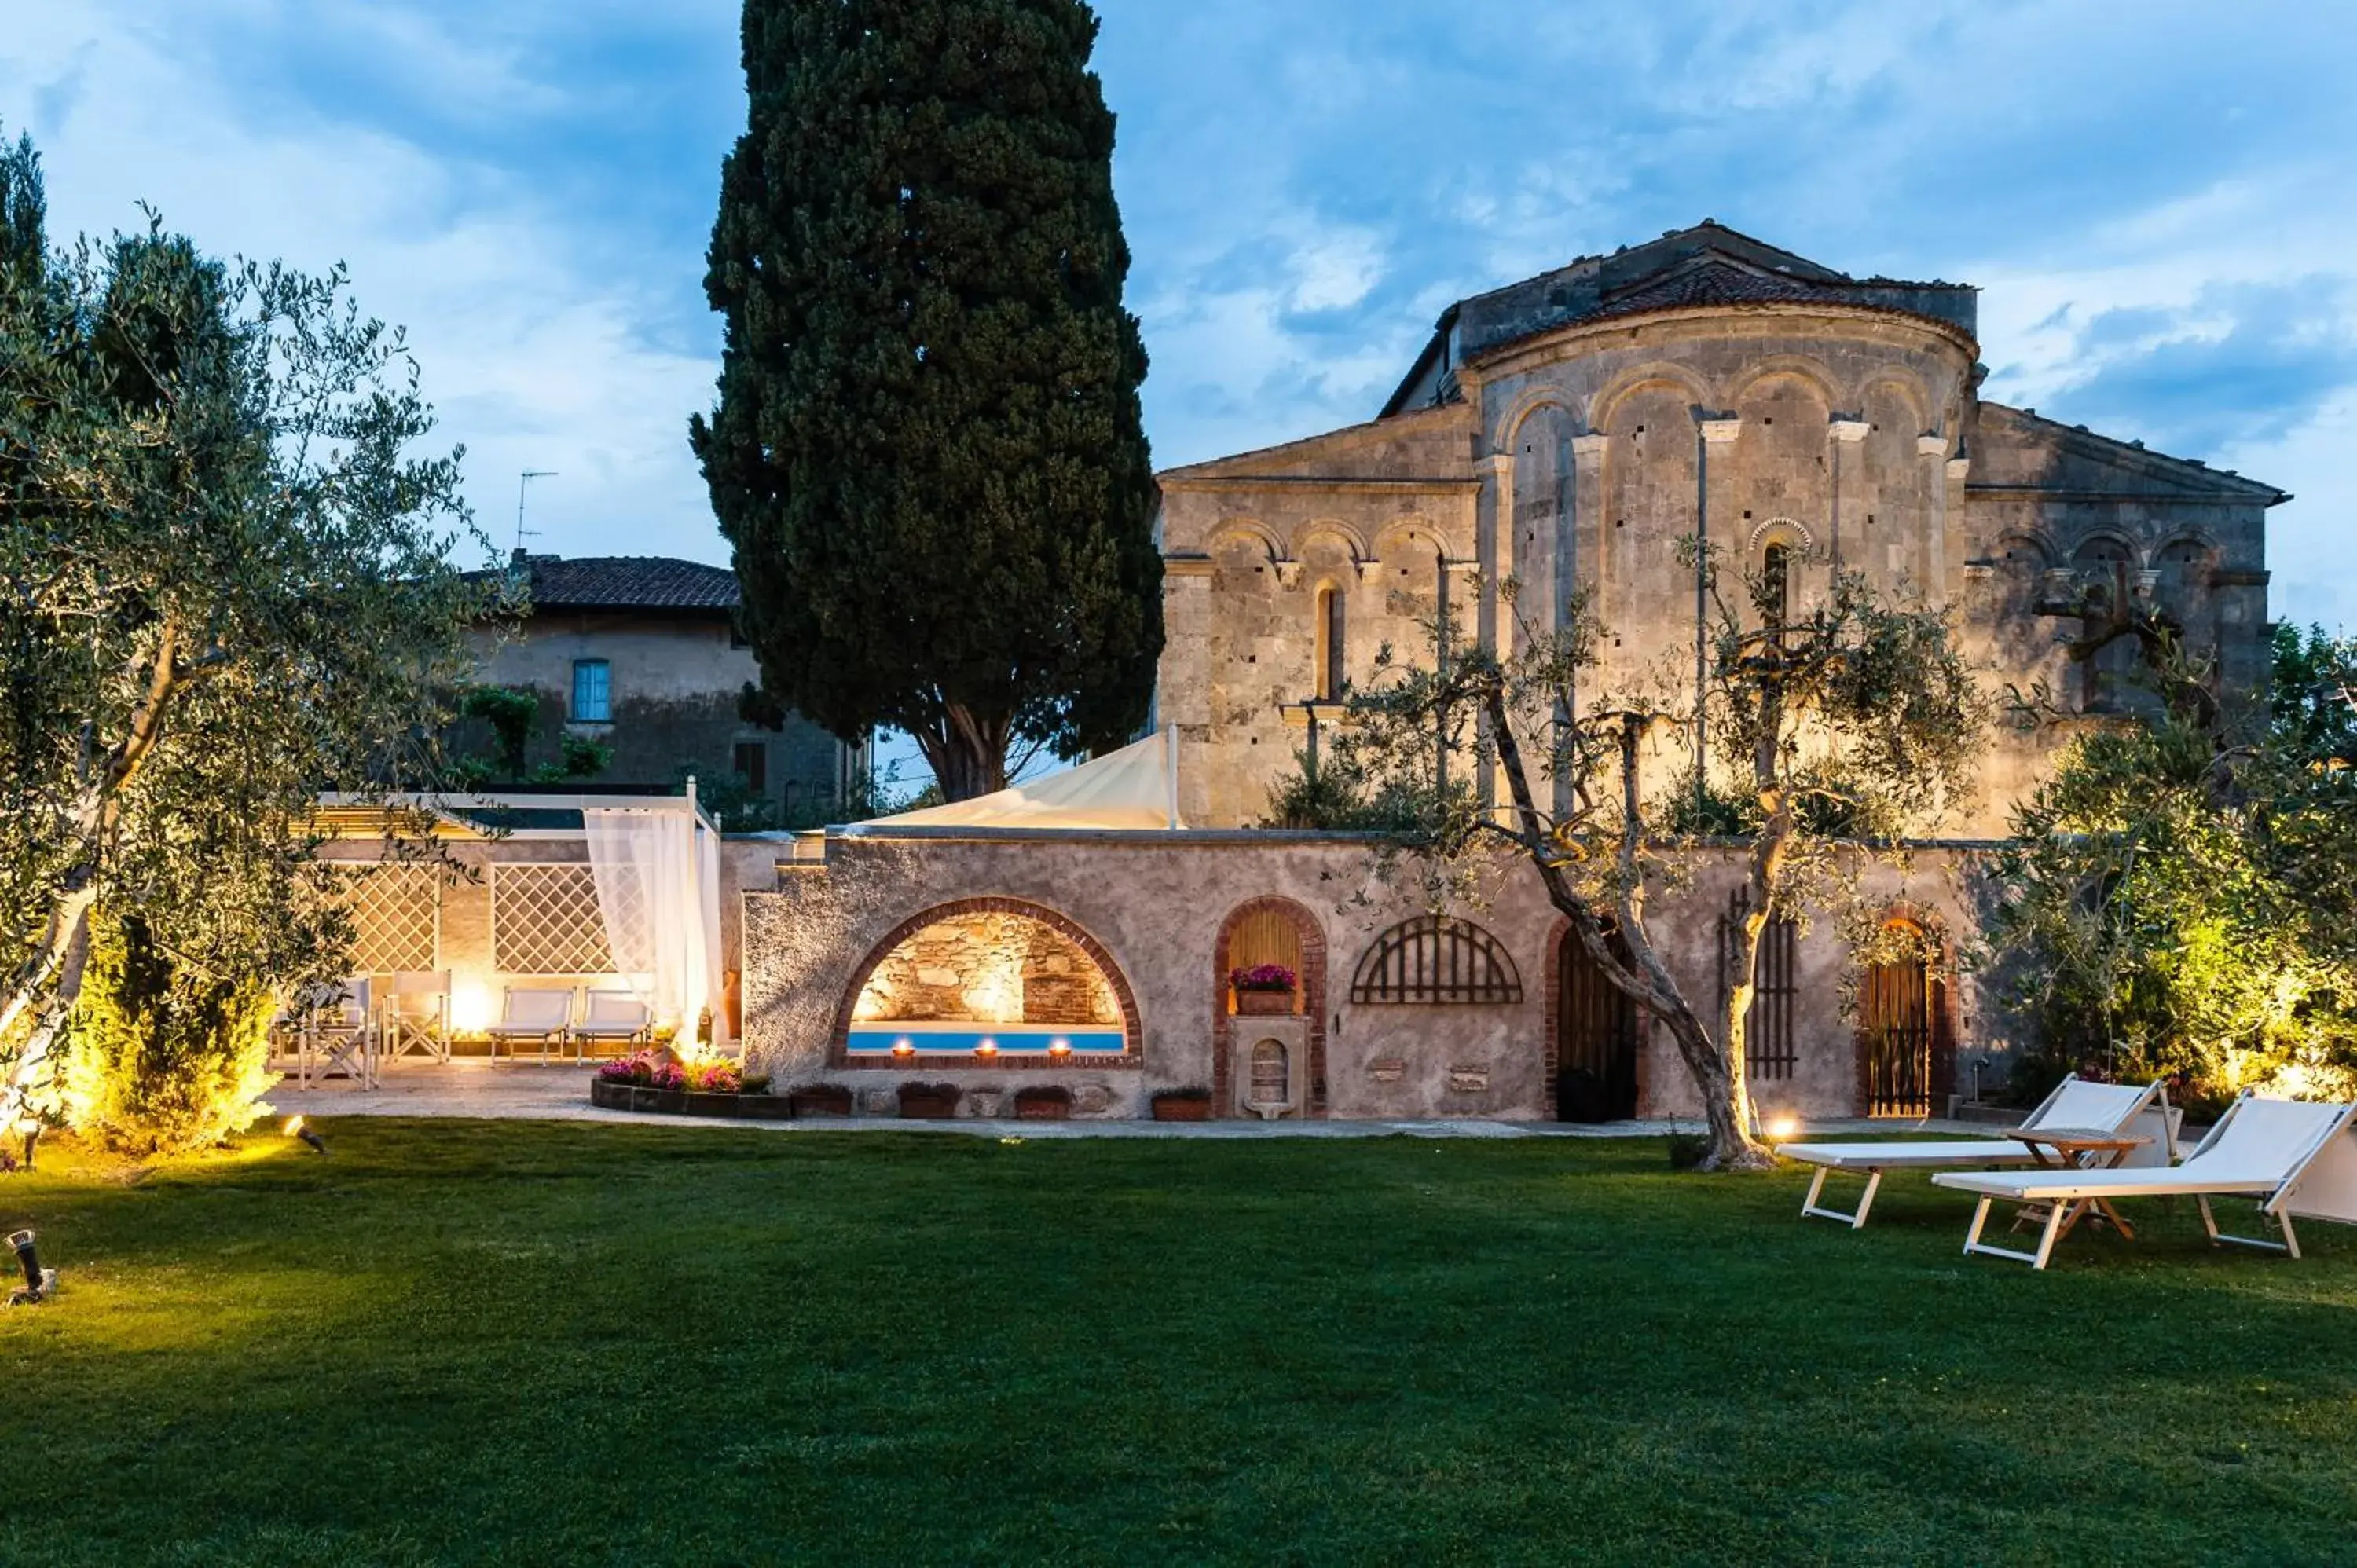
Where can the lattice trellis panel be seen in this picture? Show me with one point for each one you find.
(544, 921)
(396, 919)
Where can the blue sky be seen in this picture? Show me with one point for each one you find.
(2157, 198)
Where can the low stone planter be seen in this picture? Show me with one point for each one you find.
(822, 1100)
(929, 1103)
(1042, 1104)
(1183, 1108)
(1264, 1004)
(611, 1096)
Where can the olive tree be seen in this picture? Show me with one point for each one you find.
(1837, 730)
(226, 585)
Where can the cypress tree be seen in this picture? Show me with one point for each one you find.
(927, 452)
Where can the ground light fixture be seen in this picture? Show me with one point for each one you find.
(30, 1130)
(904, 1048)
(296, 1129)
(1060, 1049)
(1784, 1127)
(40, 1283)
(986, 1050)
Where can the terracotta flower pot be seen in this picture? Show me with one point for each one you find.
(1264, 1004)
(825, 1100)
(926, 1106)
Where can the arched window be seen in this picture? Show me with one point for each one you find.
(1435, 959)
(1331, 665)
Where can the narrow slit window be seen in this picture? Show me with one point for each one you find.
(1331, 662)
(1776, 572)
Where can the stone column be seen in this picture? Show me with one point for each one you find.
(1719, 432)
(1845, 433)
(1597, 565)
(1494, 544)
(1933, 450)
(1583, 486)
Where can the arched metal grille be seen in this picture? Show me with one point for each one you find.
(1434, 959)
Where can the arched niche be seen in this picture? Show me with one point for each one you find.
(987, 983)
(1270, 929)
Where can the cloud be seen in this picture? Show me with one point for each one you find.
(2242, 365)
(2148, 194)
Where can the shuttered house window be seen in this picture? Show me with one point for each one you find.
(752, 765)
(593, 691)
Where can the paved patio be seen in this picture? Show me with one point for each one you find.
(561, 1093)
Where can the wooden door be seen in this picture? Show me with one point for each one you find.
(1596, 1043)
(1896, 1029)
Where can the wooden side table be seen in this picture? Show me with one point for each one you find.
(2080, 1148)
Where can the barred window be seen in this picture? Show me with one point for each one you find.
(1772, 1046)
(1434, 959)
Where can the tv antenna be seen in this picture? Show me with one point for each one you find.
(524, 488)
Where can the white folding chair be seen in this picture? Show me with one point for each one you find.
(341, 1037)
(614, 1015)
(539, 1014)
(416, 1014)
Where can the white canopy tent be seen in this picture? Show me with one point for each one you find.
(1135, 788)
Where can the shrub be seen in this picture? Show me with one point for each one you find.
(164, 1059)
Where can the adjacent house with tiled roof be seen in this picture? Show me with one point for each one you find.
(641, 652)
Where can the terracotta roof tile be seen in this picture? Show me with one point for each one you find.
(630, 582)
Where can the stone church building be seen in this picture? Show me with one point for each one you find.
(1565, 432)
(1568, 431)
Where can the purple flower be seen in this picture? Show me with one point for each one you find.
(1262, 977)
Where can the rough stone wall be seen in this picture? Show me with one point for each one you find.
(1157, 903)
(1574, 461)
(989, 968)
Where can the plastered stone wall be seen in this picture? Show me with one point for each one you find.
(1156, 903)
(675, 683)
(1576, 460)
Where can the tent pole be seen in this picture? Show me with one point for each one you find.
(1171, 760)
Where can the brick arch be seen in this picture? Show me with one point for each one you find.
(1940, 973)
(1313, 997)
(1132, 1026)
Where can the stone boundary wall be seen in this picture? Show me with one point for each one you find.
(1159, 908)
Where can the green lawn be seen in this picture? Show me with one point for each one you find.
(466, 1341)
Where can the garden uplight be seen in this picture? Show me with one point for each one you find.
(40, 1283)
(29, 1129)
(1784, 1127)
(295, 1129)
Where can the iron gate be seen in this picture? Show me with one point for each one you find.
(1895, 1015)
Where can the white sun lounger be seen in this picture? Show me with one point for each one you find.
(2293, 1156)
(2076, 1103)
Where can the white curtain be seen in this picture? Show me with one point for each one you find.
(659, 894)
